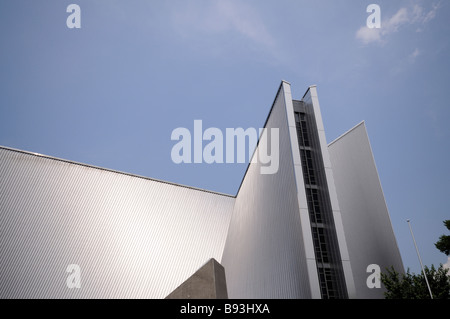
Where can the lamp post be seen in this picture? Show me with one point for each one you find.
(420, 260)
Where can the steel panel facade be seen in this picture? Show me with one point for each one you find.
(264, 255)
(365, 217)
(135, 237)
(132, 237)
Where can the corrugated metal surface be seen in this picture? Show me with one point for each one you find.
(365, 217)
(264, 255)
(132, 237)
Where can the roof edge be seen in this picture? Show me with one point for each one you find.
(350, 130)
(112, 170)
(280, 87)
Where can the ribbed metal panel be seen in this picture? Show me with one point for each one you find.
(365, 217)
(264, 255)
(132, 237)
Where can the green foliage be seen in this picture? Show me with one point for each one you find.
(443, 244)
(412, 286)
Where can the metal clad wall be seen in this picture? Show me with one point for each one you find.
(367, 226)
(132, 237)
(312, 99)
(264, 255)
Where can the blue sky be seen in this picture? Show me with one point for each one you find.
(110, 94)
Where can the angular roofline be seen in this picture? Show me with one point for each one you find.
(265, 123)
(257, 143)
(309, 87)
(112, 171)
(158, 180)
(342, 135)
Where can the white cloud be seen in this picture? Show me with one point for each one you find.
(219, 17)
(367, 35)
(414, 14)
(388, 26)
(412, 57)
(392, 24)
(417, 12)
(432, 13)
(244, 20)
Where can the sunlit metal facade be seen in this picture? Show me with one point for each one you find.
(307, 231)
(132, 237)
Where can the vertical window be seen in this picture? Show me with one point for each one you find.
(328, 260)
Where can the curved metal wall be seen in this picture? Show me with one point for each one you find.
(264, 255)
(132, 237)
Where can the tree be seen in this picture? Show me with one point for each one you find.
(412, 286)
(443, 244)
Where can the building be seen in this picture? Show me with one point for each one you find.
(308, 231)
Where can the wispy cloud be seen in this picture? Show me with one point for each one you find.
(431, 14)
(217, 18)
(412, 57)
(412, 15)
(242, 19)
(405, 63)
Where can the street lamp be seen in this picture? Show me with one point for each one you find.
(420, 260)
